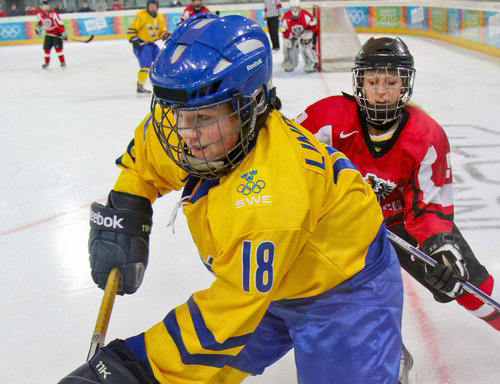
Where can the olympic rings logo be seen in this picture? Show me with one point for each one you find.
(9, 31)
(356, 16)
(255, 187)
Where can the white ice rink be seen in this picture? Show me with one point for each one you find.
(62, 130)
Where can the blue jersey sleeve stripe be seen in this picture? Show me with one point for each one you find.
(218, 361)
(206, 337)
(129, 151)
(146, 126)
(330, 150)
(339, 166)
(138, 346)
(119, 161)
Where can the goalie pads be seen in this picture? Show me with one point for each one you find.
(308, 52)
(291, 54)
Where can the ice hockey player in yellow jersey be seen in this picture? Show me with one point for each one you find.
(148, 27)
(294, 237)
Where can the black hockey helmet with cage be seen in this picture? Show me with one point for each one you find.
(384, 56)
(384, 52)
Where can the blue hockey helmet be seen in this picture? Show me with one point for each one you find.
(152, 13)
(210, 60)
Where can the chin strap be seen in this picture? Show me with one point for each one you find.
(385, 126)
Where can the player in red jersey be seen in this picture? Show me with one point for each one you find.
(405, 155)
(299, 28)
(194, 9)
(53, 25)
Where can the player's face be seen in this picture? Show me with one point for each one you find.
(209, 133)
(295, 11)
(152, 8)
(197, 3)
(382, 87)
(45, 7)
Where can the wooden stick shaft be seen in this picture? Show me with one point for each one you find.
(108, 300)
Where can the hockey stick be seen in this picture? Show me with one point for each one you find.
(165, 38)
(430, 261)
(71, 39)
(105, 312)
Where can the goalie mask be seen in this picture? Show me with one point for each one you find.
(383, 79)
(295, 9)
(212, 92)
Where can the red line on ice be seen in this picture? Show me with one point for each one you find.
(45, 220)
(429, 335)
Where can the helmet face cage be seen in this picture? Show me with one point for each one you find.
(170, 135)
(211, 63)
(383, 79)
(382, 92)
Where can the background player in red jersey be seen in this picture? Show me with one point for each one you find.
(194, 9)
(53, 25)
(405, 156)
(298, 27)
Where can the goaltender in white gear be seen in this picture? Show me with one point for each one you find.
(299, 27)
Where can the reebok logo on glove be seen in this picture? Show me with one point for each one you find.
(108, 222)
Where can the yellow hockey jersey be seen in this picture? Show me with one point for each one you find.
(146, 27)
(293, 220)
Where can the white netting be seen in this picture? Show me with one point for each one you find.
(338, 43)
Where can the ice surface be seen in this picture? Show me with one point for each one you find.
(62, 130)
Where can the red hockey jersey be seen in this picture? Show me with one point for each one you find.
(51, 22)
(411, 175)
(293, 29)
(190, 12)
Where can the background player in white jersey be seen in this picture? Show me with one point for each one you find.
(299, 28)
(293, 236)
(148, 27)
(53, 25)
(405, 155)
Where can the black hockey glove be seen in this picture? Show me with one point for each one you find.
(136, 42)
(113, 364)
(38, 30)
(64, 36)
(119, 237)
(450, 264)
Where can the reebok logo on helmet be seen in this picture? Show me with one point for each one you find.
(253, 65)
